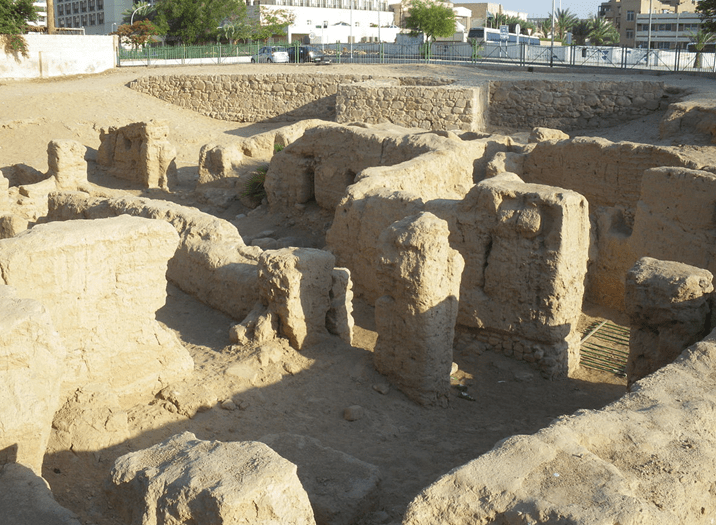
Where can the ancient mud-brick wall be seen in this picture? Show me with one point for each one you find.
(571, 105)
(606, 173)
(251, 98)
(627, 463)
(430, 107)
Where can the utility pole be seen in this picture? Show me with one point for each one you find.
(551, 47)
(51, 17)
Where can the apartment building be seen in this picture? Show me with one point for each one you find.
(482, 13)
(330, 21)
(668, 30)
(623, 14)
(97, 17)
(41, 8)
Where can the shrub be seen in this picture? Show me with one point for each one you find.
(255, 185)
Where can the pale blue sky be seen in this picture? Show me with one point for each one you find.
(542, 8)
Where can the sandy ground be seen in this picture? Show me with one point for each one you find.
(302, 393)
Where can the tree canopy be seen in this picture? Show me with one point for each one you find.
(564, 21)
(431, 18)
(602, 32)
(141, 11)
(707, 10)
(138, 33)
(14, 15)
(270, 22)
(700, 39)
(193, 21)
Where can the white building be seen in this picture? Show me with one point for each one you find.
(668, 30)
(331, 21)
(41, 8)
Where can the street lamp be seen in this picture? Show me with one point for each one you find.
(131, 19)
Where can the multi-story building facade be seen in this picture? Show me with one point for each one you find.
(623, 14)
(330, 21)
(668, 30)
(41, 8)
(482, 13)
(97, 17)
(371, 19)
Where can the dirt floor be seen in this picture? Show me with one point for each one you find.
(282, 390)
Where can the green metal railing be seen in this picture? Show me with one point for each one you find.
(465, 52)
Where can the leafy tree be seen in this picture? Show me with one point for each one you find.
(602, 32)
(238, 26)
(431, 18)
(138, 33)
(500, 19)
(707, 10)
(564, 21)
(14, 15)
(700, 39)
(272, 22)
(526, 27)
(141, 11)
(544, 28)
(580, 32)
(193, 21)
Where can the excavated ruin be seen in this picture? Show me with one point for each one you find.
(460, 241)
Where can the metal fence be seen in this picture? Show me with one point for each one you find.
(436, 52)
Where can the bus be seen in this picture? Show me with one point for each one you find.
(490, 35)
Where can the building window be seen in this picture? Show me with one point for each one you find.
(93, 19)
(630, 34)
(100, 18)
(83, 6)
(91, 5)
(75, 7)
(100, 4)
(60, 10)
(76, 21)
(630, 16)
(84, 20)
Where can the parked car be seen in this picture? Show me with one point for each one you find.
(308, 54)
(271, 54)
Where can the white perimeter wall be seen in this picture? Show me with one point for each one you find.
(59, 55)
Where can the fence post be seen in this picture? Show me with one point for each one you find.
(678, 57)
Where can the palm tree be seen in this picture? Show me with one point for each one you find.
(602, 32)
(564, 21)
(700, 39)
(544, 28)
(500, 19)
(580, 32)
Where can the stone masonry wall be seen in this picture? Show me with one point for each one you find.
(428, 107)
(251, 98)
(571, 105)
(407, 101)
